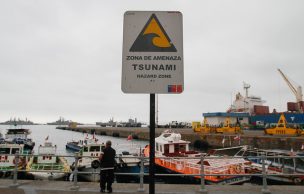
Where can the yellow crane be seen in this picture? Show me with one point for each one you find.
(297, 91)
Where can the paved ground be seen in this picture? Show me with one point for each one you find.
(61, 187)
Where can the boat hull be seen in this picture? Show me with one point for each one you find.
(129, 168)
(89, 174)
(48, 175)
(196, 180)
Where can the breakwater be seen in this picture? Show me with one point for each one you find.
(253, 138)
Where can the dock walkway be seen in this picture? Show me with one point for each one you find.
(63, 187)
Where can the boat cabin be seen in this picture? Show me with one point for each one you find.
(17, 133)
(47, 153)
(7, 153)
(170, 144)
(92, 149)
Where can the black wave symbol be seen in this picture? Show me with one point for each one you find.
(144, 43)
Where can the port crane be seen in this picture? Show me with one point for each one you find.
(296, 90)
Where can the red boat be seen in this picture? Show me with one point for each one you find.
(169, 145)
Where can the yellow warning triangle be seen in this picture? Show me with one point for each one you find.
(153, 38)
(282, 120)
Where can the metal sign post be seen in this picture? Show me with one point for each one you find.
(152, 62)
(152, 145)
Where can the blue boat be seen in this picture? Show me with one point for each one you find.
(130, 163)
(74, 146)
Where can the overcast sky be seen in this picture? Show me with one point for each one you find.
(63, 58)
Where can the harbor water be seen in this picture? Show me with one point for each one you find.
(39, 134)
(60, 137)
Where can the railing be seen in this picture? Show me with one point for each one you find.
(202, 173)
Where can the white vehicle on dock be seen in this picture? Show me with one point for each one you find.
(46, 165)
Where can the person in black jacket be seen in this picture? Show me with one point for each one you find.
(107, 163)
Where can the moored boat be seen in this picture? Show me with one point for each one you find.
(278, 162)
(169, 145)
(74, 146)
(88, 163)
(130, 162)
(8, 160)
(47, 165)
(20, 136)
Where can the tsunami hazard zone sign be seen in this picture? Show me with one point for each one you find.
(152, 60)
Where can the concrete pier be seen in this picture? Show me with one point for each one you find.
(62, 187)
(250, 137)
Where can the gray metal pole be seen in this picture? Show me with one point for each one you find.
(203, 188)
(265, 189)
(15, 184)
(75, 186)
(141, 175)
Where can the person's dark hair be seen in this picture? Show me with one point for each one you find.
(108, 143)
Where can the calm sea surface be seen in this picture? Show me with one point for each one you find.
(61, 137)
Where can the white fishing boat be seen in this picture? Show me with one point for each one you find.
(7, 158)
(88, 163)
(20, 136)
(47, 165)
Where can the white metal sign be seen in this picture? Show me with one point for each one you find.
(152, 60)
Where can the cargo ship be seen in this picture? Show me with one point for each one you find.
(250, 111)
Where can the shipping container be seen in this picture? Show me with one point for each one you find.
(260, 110)
(302, 105)
(292, 106)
